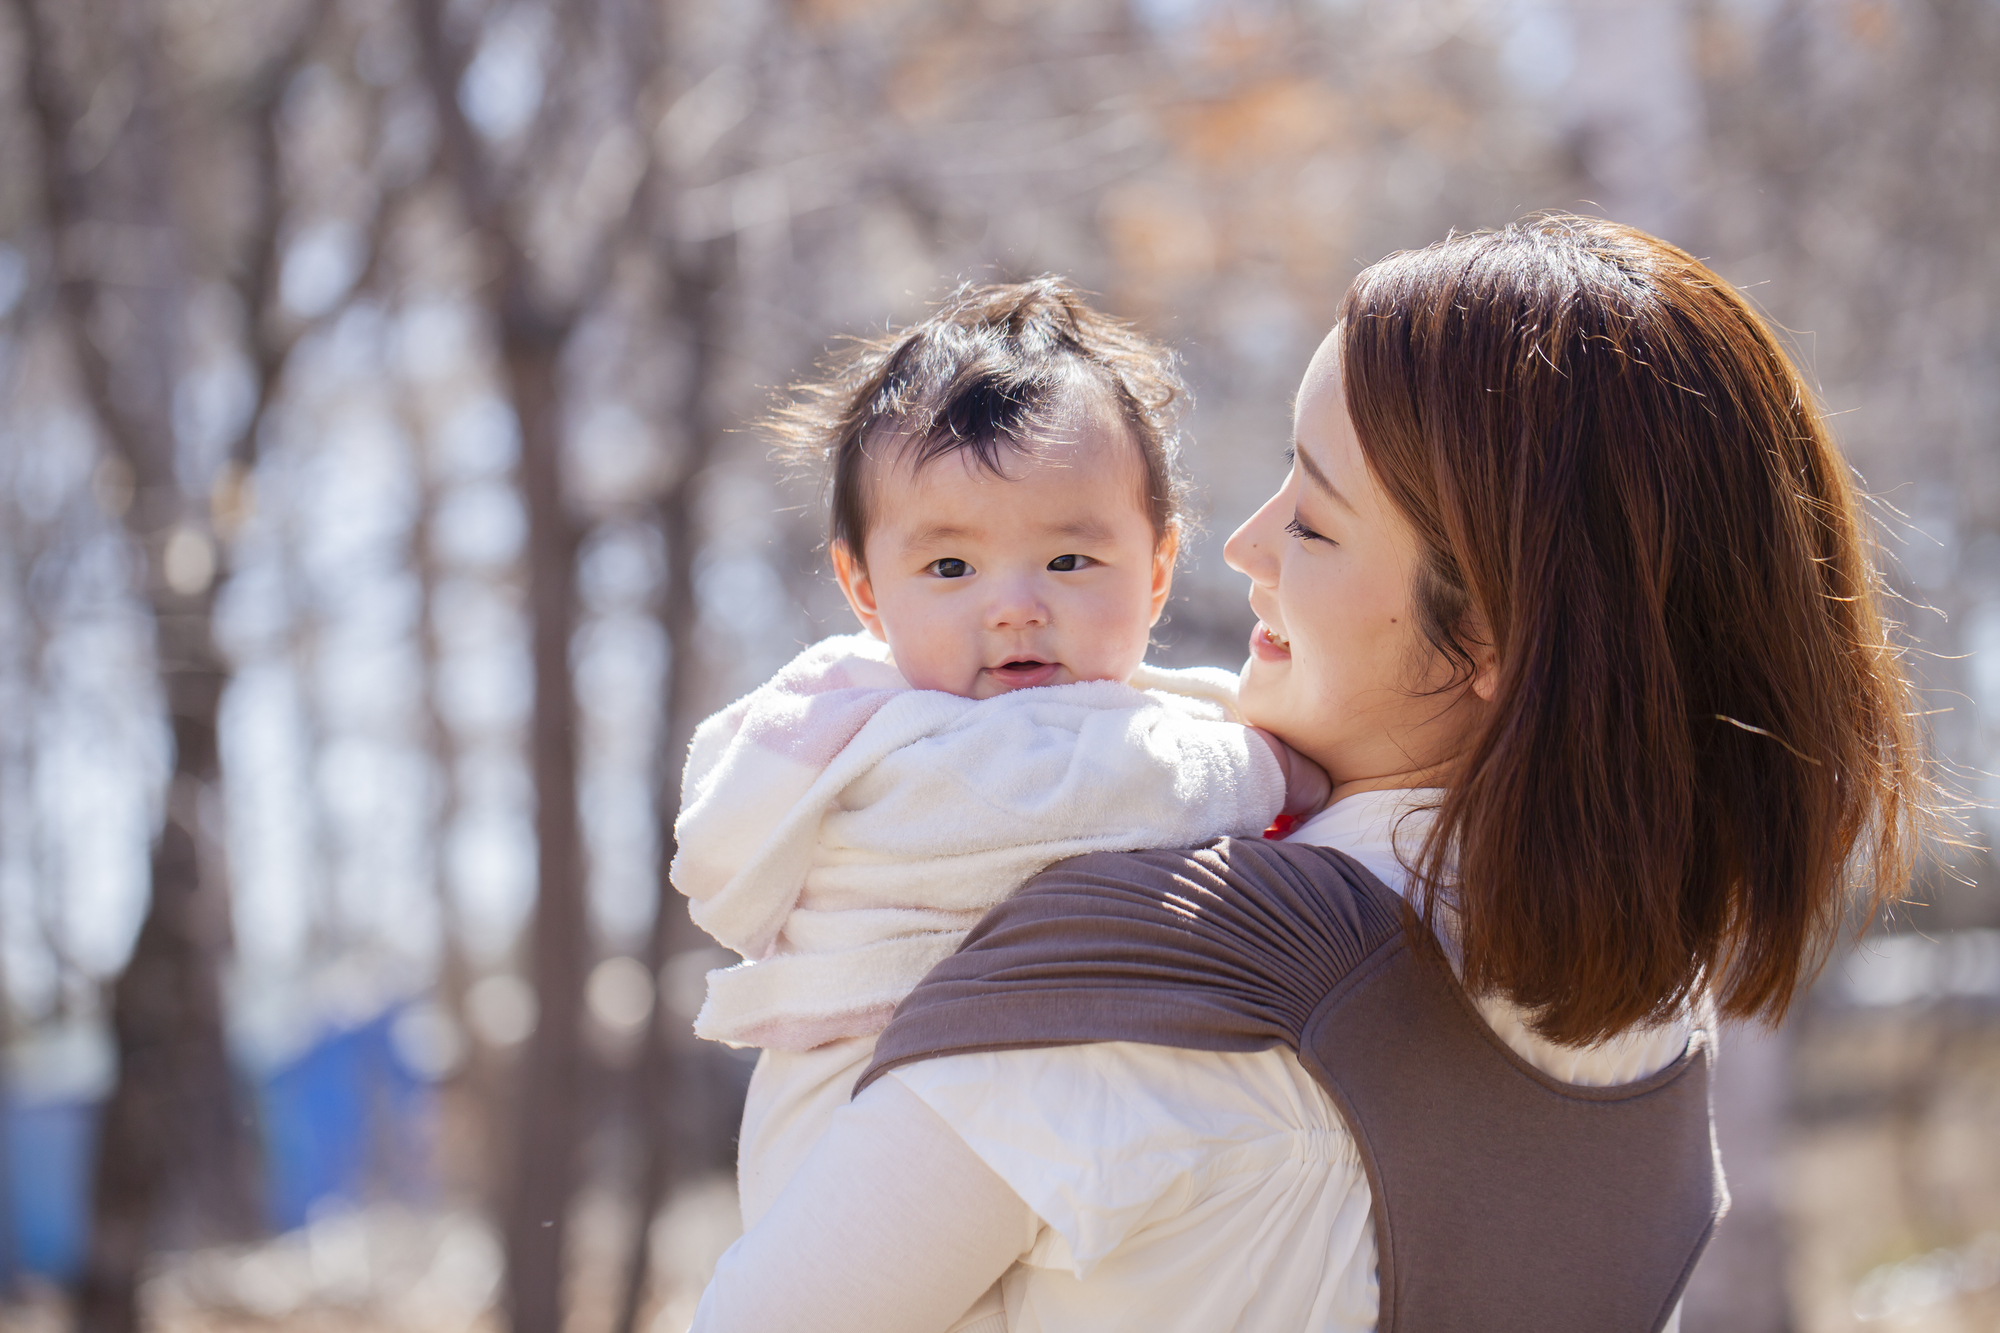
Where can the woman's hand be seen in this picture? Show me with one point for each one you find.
(1307, 786)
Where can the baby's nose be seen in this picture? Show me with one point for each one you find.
(1017, 607)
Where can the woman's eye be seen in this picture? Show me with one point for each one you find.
(1304, 533)
(1065, 564)
(949, 568)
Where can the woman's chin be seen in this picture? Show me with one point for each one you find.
(1257, 693)
(1245, 680)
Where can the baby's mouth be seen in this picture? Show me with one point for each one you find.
(1024, 673)
(1274, 637)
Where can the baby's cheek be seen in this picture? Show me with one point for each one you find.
(931, 661)
(1118, 649)
(927, 674)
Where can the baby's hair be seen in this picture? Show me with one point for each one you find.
(989, 367)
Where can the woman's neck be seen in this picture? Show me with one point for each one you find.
(1434, 775)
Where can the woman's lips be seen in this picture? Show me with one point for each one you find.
(1026, 673)
(1268, 647)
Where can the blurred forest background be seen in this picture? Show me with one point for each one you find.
(379, 512)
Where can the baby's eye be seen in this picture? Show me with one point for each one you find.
(1067, 564)
(950, 568)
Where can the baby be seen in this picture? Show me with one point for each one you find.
(1005, 517)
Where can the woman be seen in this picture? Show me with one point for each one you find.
(1566, 592)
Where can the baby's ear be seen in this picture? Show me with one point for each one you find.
(852, 576)
(1165, 552)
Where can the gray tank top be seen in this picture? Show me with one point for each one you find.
(1503, 1198)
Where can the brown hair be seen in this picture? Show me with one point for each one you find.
(1700, 737)
(987, 369)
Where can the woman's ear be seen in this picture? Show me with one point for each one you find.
(1485, 658)
(852, 576)
(1165, 552)
(1486, 673)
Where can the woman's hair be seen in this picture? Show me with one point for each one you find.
(990, 367)
(1700, 739)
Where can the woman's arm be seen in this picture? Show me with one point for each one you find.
(893, 1225)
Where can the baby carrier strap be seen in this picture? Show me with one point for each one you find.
(1503, 1198)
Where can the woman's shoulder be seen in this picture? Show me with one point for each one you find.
(1228, 868)
(1225, 947)
(1360, 846)
(1230, 900)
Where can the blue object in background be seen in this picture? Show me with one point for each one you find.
(48, 1148)
(344, 1119)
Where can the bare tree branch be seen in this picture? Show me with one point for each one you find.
(257, 279)
(63, 201)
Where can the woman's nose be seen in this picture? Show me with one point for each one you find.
(1253, 548)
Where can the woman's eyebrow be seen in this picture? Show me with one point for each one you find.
(1319, 478)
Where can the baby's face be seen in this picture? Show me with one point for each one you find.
(983, 584)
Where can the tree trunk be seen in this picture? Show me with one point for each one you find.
(172, 1154)
(9, 1248)
(659, 1098)
(543, 1161)
(169, 1135)
(544, 1155)
(170, 1145)
(454, 968)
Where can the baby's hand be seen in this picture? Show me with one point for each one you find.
(1307, 786)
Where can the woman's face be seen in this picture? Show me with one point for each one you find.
(1338, 667)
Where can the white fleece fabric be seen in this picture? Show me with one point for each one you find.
(842, 831)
